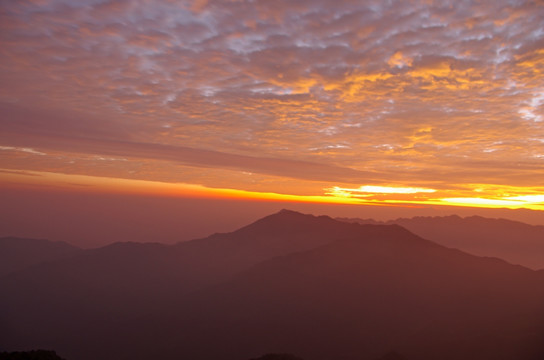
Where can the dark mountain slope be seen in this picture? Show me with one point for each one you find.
(513, 241)
(19, 253)
(362, 298)
(288, 283)
(136, 273)
(279, 234)
(107, 286)
(30, 355)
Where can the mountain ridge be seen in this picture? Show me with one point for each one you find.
(289, 282)
(285, 287)
(513, 241)
(17, 253)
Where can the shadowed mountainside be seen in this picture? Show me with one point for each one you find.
(277, 357)
(19, 253)
(288, 283)
(123, 277)
(513, 241)
(364, 296)
(110, 285)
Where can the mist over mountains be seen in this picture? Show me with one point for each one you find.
(289, 283)
(513, 241)
(18, 253)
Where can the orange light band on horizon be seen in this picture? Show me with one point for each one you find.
(334, 195)
(522, 199)
(145, 187)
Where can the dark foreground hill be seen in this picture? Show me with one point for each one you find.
(30, 355)
(289, 283)
(513, 241)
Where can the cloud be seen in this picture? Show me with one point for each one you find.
(110, 149)
(420, 91)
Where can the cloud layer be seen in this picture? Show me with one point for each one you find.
(415, 93)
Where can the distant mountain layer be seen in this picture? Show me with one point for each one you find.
(18, 253)
(513, 241)
(287, 284)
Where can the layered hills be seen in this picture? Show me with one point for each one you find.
(288, 283)
(513, 241)
(19, 253)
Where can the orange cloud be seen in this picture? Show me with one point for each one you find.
(299, 95)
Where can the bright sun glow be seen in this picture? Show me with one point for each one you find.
(512, 197)
(528, 198)
(489, 196)
(482, 201)
(526, 201)
(370, 189)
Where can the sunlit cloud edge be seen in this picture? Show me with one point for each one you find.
(51, 180)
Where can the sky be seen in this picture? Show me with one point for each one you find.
(398, 103)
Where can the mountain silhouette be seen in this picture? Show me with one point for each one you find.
(288, 283)
(110, 285)
(277, 357)
(361, 297)
(30, 355)
(19, 253)
(126, 277)
(513, 241)
(392, 356)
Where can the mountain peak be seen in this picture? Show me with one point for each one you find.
(296, 214)
(287, 219)
(18, 253)
(283, 213)
(376, 288)
(287, 211)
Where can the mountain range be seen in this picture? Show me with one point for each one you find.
(312, 286)
(513, 241)
(19, 253)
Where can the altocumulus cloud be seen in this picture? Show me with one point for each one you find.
(365, 91)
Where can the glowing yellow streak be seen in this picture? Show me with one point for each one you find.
(85, 183)
(528, 198)
(483, 201)
(463, 202)
(379, 190)
(520, 199)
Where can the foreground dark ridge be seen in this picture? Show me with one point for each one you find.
(290, 283)
(52, 355)
(30, 355)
